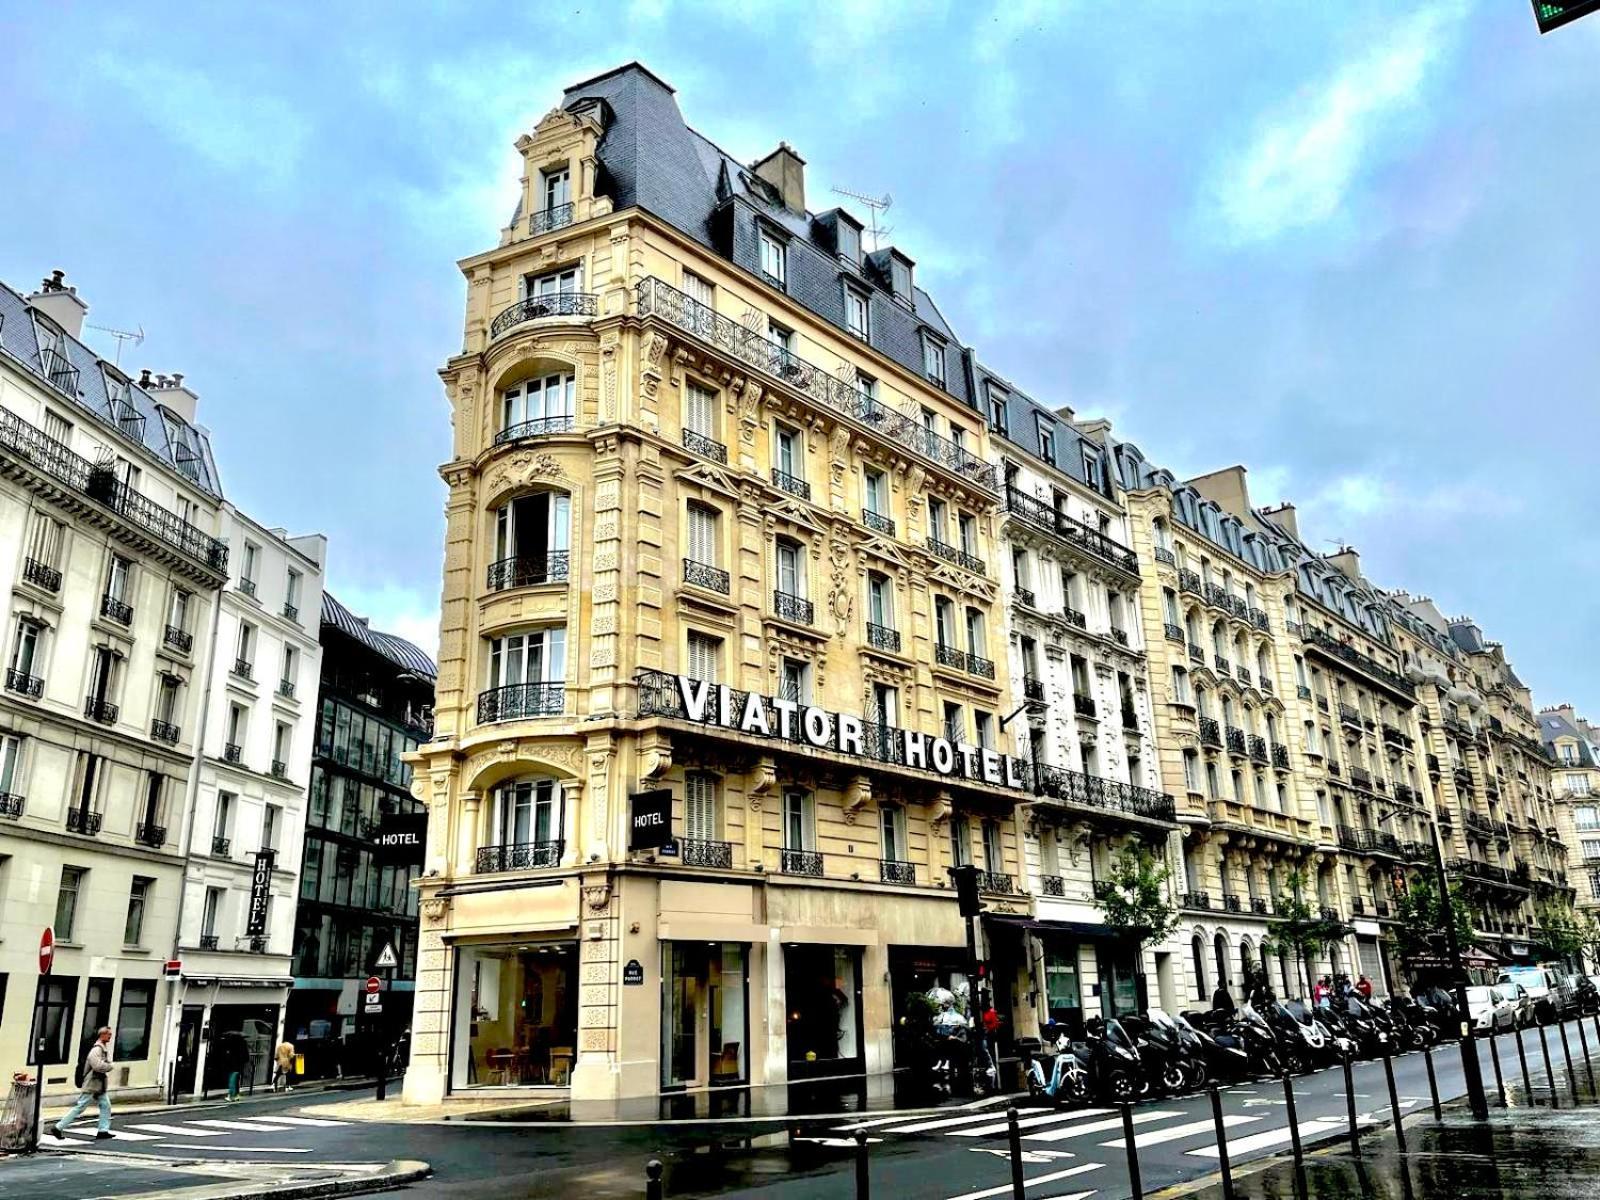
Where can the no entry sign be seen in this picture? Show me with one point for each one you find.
(374, 985)
(47, 950)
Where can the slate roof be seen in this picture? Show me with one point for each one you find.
(164, 435)
(397, 650)
(1553, 725)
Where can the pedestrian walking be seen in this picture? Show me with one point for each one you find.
(1319, 991)
(1222, 999)
(235, 1054)
(1364, 987)
(96, 1084)
(285, 1072)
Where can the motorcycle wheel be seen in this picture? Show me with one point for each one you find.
(1077, 1090)
(1172, 1078)
(1198, 1075)
(1121, 1085)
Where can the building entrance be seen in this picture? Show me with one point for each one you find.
(823, 986)
(705, 1029)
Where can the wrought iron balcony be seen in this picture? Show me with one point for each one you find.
(881, 637)
(1349, 714)
(1243, 675)
(658, 299)
(290, 612)
(1196, 655)
(1130, 718)
(1258, 618)
(792, 484)
(1033, 688)
(1416, 852)
(1444, 815)
(244, 668)
(36, 573)
(1231, 903)
(517, 701)
(1267, 685)
(1163, 555)
(1217, 595)
(713, 579)
(58, 369)
(1361, 777)
(1083, 705)
(1174, 632)
(148, 834)
(208, 941)
(1433, 764)
(529, 570)
(179, 639)
(1052, 885)
(956, 555)
(1195, 900)
(877, 521)
(80, 821)
(1110, 795)
(1406, 794)
(1236, 742)
(950, 656)
(977, 665)
(696, 852)
(1210, 732)
(233, 752)
(1025, 596)
(1258, 749)
(279, 769)
(1333, 766)
(1188, 581)
(1259, 905)
(534, 308)
(1075, 618)
(164, 731)
(544, 220)
(286, 688)
(100, 710)
(1322, 703)
(1393, 735)
(1222, 665)
(1358, 906)
(800, 862)
(24, 684)
(116, 610)
(699, 443)
(538, 427)
(892, 870)
(793, 608)
(1330, 913)
(1331, 646)
(518, 856)
(1239, 607)
(1457, 727)
(1370, 841)
(1119, 636)
(1280, 756)
(1051, 520)
(997, 882)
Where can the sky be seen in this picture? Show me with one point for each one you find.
(1349, 246)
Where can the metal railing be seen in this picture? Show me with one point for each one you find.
(1210, 732)
(150, 834)
(1280, 756)
(697, 852)
(1163, 555)
(1195, 900)
(36, 573)
(1174, 632)
(117, 610)
(286, 688)
(86, 823)
(1258, 749)
(1236, 742)
(1189, 581)
(58, 369)
(1026, 597)
(24, 684)
(179, 639)
(792, 484)
(1372, 841)
(11, 805)
(1110, 795)
(100, 710)
(208, 941)
(1033, 687)
(1075, 618)
(800, 862)
(164, 731)
(221, 847)
(956, 555)
(544, 220)
(876, 520)
(1314, 637)
(891, 870)
(656, 298)
(538, 427)
(704, 575)
(279, 769)
(518, 856)
(290, 612)
(997, 882)
(516, 701)
(1053, 885)
(790, 607)
(244, 668)
(533, 308)
(1051, 520)
(528, 570)
(705, 447)
(882, 637)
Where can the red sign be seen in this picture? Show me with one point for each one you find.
(47, 950)
(174, 968)
(374, 985)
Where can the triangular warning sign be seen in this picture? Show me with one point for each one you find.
(387, 958)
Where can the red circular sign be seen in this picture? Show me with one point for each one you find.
(374, 985)
(47, 950)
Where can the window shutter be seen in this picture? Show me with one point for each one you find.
(700, 807)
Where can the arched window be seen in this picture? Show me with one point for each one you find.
(1220, 946)
(535, 406)
(1247, 961)
(1197, 947)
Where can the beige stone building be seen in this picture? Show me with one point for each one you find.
(1573, 746)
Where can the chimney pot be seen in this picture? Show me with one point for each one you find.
(177, 379)
(144, 378)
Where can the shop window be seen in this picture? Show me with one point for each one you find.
(133, 1020)
(704, 1026)
(823, 989)
(1062, 994)
(516, 1015)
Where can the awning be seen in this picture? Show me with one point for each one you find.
(1078, 929)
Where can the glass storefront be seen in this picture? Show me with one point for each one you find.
(1063, 994)
(705, 1033)
(823, 984)
(1119, 982)
(516, 1015)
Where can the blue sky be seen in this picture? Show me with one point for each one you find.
(1351, 246)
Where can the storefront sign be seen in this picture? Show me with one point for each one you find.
(260, 893)
(401, 837)
(633, 974)
(764, 716)
(652, 820)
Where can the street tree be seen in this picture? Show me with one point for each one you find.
(1301, 927)
(1421, 928)
(1135, 901)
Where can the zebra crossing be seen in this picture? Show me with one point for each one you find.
(192, 1134)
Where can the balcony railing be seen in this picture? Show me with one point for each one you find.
(1210, 732)
(544, 220)
(1243, 675)
(891, 870)
(1051, 520)
(529, 570)
(100, 710)
(290, 612)
(1444, 815)
(1368, 840)
(86, 823)
(1258, 748)
(36, 573)
(1163, 555)
(244, 668)
(1358, 906)
(1083, 705)
(794, 608)
(58, 369)
(179, 639)
(208, 941)
(956, 555)
(518, 856)
(233, 752)
(1330, 913)
(876, 520)
(1235, 740)
(1280, 756)
(533, 308)
(1110, 795)
(951, 656)
(1130, 718)
(11, 805)
(1195, 900)
(1361, 777)
(1196, 655)
(881, 637)
(704, 575)
(905, 429)
(152, 835)
(28, 444)
(1328, 644)
(800, 862)
(1026, 597)
(997, 882)
(247, 586)
(538, 427)
(1258, 618)
(1188, 581)
(792, 484)
(286, 688)
(1075, 618)
(279, 769)
(1259, 905)
(24, 684)
(1119, 636)
(117, 610)
(1221, 664)
(164, 731)
(696, 852)
(1033, 688)
(1231, 903)
(1174, 632)
(980, 666)
(517, 701)
(705, 447)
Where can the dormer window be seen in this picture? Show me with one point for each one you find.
(855, 312)
(900, 276)
(555, 199)
(997, 411)
(774, 260)
(849, 242)
(933, 359)
(1047, 441)
(1091, 468)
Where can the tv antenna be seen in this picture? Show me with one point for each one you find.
(874, 206)
(122, 335)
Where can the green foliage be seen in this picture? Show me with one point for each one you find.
(1134, 897)
(1589, 932)
(1559, 933)
(1421, 929)
(1298, 926)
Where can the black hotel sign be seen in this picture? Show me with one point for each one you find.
(651, 813)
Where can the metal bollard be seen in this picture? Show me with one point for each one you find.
(1394, 1103)
(1433, 1083)
(1549, 1071)
(1494, 1057)
(1350, 1103)
(1222, 1143)
(1566, 1052)
(1134, 1181)
(1294, 1121)
(1522, 1056)
(652, 1179)
(864, 1183)
(1588, 1066)
(1014, 1136)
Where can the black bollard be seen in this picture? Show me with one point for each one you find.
(1222, 1143)
(1350, 1103)
(1566, 1053)
(1134, 1181)
(1494, 1057)
(864, 1184)
(1294, 1136)
(1394, 1103)
(1588, 1066)
(652, 1179)
(1433, 1083)
(1549, 1072)
(1014, 1136)
(1522, 1057)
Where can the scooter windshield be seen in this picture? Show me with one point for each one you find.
(1161, 1020)
(1296, 1009)
(1116, 1035)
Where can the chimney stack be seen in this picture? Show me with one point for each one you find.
(1284, 518)
(169, 392)
(786, 171)
(60, 303)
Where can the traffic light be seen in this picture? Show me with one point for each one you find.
(966, 890)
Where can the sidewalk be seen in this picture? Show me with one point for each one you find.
(56, 1106)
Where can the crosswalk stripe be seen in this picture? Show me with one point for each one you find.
(1054, 1118)
(943, 1123)
(1050, 1177)
(1057, 1135)
(178, 1130)
(1268, 1137)
(243, 1126)
(1172, 1133)
(117, 1134)
(242, 1149)
(315, 1122)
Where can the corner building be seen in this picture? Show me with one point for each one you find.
(721, 523)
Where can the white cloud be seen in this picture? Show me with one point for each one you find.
(1309, 154)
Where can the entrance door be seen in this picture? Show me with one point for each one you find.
(1119, 983)
(188, 1058)
(96, 1015)
(824, 993)
(704, 1030)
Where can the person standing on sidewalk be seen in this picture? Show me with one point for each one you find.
(285, 1065)
(96, 1083)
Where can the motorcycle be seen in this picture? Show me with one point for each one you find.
(1303, 1044)
(1066, 1082)
(1340, 1033)
(1211, 1056)
(1412, 1028)
(1115, 1067)
(1160, 1050)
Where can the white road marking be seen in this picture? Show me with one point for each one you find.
(1057, 1135)
(116, 1134)
(898, 1117)
(241, 1149)
(244, 1126)
(1034, 1182)
(1028, 1156)
(178, 1130)
(1053, 1118)
(315, 1122)
(946, 1123)
(1172, 1133)
(838, 1143)
(1070, 1196)
(1269, 1137)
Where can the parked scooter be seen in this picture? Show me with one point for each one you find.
(1218, 1057)
(1116, 1070)
(1303, 1044)
(1161, 1050)
(1412, 1028)
(1055, 1067)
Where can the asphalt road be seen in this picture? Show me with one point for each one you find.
(956, 1155)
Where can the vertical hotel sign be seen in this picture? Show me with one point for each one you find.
(260, 893)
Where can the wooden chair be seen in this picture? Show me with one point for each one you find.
(494, 1066)
(561, 1064)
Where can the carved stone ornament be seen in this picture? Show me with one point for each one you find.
(856, 797)
(597, 895)
(521, 469)
(841, 595)
(435, 909)
(763, 779)
(749, 411)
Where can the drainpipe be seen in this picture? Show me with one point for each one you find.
(169, 1043)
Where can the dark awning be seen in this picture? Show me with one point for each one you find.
(1080, 929)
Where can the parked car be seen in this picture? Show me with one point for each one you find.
(1488, 1010)
(1518, 1007)
(1542, 987)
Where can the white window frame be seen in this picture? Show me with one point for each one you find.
(531, 656)
(774, 258)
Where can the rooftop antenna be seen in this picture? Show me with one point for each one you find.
(122, 335)
(874, 205)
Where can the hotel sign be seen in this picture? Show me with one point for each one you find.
(651, 820)
(751, 713)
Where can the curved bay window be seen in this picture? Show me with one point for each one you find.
(526, 820)
(536, 406)
(527, 673)
(532, 541)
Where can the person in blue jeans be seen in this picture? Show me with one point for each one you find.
(96, 1084)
